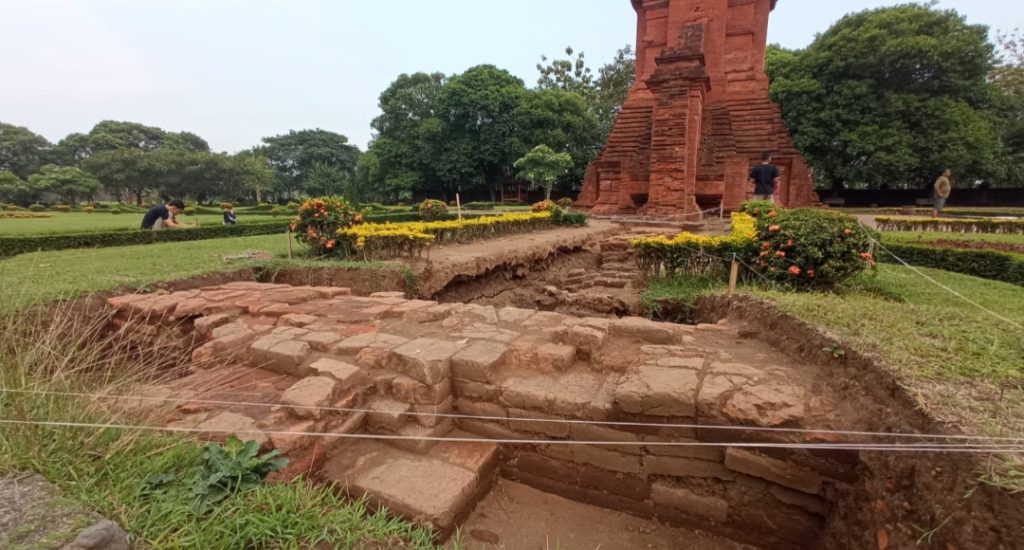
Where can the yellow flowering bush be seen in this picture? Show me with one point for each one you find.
(373, 241)
(692, 254)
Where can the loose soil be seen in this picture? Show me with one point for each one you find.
(515, 516)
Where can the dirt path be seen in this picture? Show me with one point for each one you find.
(449, 263)
(520, 517)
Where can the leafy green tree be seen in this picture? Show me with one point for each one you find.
(126, 173)
(12, 188)
(891, 95)
(478, 140)
(67, 182)
(1008, 90)
(294, 155)
(563, 121)
(542, 167)
(73, 149)
(604, 94)
(22, 151)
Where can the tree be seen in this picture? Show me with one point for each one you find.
(125, 172)
(478, 142)
(12, 188)
(67, 182)
(1008, 90)
(542, 167)
(22, 151)
(563, 121)
(890, 95)
(604, 94)
(294, 155)
(404, 143)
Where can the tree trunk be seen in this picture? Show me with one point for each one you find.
(138, 197)
(547, 192)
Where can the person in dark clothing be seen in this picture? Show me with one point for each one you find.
(765, 177)
(161, 216)
(229, 216)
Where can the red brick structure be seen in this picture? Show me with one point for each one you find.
(698, 116)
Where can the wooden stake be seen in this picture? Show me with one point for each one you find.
(458, 205)
(288, 234)
(734, 276)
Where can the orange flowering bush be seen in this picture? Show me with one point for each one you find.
(433, 210)
(809, 248)
(317, 222)
(544, 206)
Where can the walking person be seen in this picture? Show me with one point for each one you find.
(942, 191)
(765, 177)
(229, 216)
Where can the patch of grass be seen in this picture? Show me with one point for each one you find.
(44, 276)
(918, 237)
(681, 292)
(107, 470)
(101, 220)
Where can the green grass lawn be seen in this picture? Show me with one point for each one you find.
(79, 222)
(43, 276)
(965, 365)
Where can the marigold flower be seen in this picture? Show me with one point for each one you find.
(795, 270)
(780, 254)
(810, 273)
(865, 255)
(766, 245)
(775, 228)
(773, 214)
(847, 232)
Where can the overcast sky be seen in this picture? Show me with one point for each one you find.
(234, 71)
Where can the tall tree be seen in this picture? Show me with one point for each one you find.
(294, 155)
(12, 188)
(891, 95)
(563, 121)
(67, 182)
(1008, 91)
(479, 141)
(22, 151)
(604, 94)
(542, 167)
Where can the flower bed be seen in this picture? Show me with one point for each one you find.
(381, 241)
(957, 225)
(692, 254)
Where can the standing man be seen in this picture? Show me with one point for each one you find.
(161, 216)
(942, 190)
(765, 177)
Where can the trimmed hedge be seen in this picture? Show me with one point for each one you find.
(958, 225)
(12, 246)
(987, 264)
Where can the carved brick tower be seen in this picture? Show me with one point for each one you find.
(698, 116)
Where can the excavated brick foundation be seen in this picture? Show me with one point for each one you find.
(318, 360)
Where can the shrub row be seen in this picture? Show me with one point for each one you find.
(380, 241)
(692, 254)
(987, 264)
(12, 246)
(957, 225)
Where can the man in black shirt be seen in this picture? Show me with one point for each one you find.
(765, 178)
(161, 216)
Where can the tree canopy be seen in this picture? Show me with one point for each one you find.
(891, 96)
(296, 155)
(22, 152)
(542, 167)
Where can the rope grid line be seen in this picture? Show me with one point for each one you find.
(951, 437)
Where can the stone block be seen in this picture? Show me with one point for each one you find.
(773, 470)
(556, 357)
(308, 397)
(422, 438)
(478, 361)
(647, 331)
(432, 415)
(492, 429)
(606, 459)
(476, 390)
(426, 360)
(414, 392)
(536, 393)
(695, 451)
(297, 320)
(574, 393)
(534, 422)
(348, 376)
(657, 391)
(482, 410)
(685, 467)
(294, 437)
(321, 341)
(388, 414)
(389, 294)
(288, 357)
(766, 405)
(204, 325)
(616, 483)
(331, 291)
(355, 344)
(224, 424)
(595, 432)
(374, 357)
(707, 507)
(514, 316)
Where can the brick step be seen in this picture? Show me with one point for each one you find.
(439, 490)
